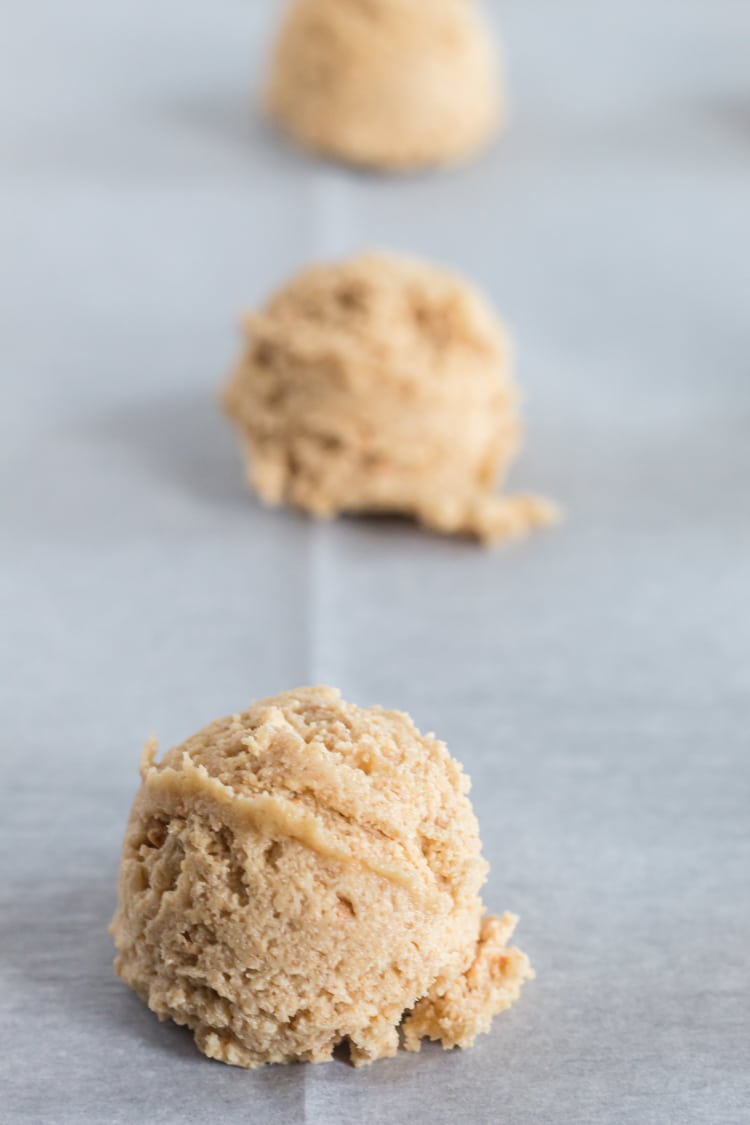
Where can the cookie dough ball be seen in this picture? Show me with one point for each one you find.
(393, 84)
(306, 873)
(382, 385)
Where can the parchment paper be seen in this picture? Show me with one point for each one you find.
(595, 681)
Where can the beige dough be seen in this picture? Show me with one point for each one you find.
(381, 384)
(394, 84)
(304, 874)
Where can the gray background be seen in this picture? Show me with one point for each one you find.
(595, 681)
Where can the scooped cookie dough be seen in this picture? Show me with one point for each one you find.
(381, 384)
(307, 873)
(393, 84)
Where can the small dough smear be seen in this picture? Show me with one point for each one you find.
(381, 384)
(305, 874)
(388, 84)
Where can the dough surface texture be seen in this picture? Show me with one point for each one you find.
(382, 384)
(390, 84)
(307, 873)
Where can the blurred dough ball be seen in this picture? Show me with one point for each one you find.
(393, 84)
(382, 384)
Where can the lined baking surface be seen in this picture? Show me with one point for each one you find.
(594, 681)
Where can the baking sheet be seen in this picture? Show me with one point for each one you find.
(595, 681)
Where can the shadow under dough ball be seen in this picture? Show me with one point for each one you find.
(390, 84)
(381, 384)
(307, 873)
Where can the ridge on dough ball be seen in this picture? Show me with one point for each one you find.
(382, 384)
(390, 84)
(307, 873)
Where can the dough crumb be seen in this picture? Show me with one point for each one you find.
(383, 384)
(390, 84)
(456, 1014)
(304, 874)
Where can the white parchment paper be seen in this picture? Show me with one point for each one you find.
(595, 681)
